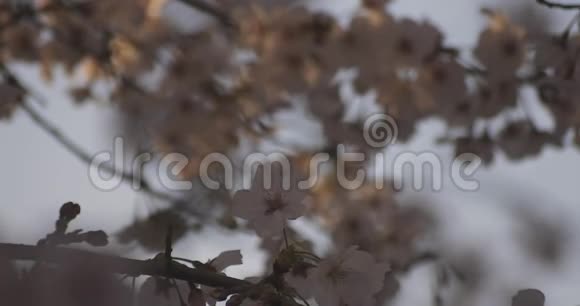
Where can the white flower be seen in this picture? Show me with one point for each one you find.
(267, 208)
(351, 278)
(226, 259)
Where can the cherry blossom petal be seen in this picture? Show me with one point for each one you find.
(295, 206)
(269, 225)
(248, 204)
(227, 259)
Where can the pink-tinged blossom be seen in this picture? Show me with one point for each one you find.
(351, 278)
(225, 260)
(272, 200)
(501, 47)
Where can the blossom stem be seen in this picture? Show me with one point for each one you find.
(299, 296)
(179, 295)
(285, 236)
(85, 157)
(192, 262)
(564, 6)
(308, 255)
(133, 292)
(568, 29)
(72, 147)
(211, 10)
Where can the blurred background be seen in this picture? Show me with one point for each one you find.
(532, 203)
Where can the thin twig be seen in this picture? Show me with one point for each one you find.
(85, 157)
(482, 73)
(211, 10)
(120, 265)
(25, 11)
(176, 287)
(285, 237)
(192, 262)
(73, 147)
(564, 6)
(570, 26)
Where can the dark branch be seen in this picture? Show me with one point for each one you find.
(209, 9)
(25, 11)
(127, 177)
(71, 146)
(82, 155)
(564, 6)
(120, 265)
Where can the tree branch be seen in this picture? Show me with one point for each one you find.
(74, 148)
(83, 156)
(558, 5)
(201, 5)
(120, 265)
(211, 10)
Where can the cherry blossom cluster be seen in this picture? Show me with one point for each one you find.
(220, 87)
(203, 84)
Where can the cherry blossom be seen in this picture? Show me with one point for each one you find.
(12, 98)
(529, 297)
(521, 139)
(350, 278)
(412, 42)
(501, 47)
(482, 146)
(495, 95)
(225, 260)
(267, 208)
(445, 80)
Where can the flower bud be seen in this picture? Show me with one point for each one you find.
(97, 238)
(69, 211)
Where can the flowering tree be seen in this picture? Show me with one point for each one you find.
(223, 86)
